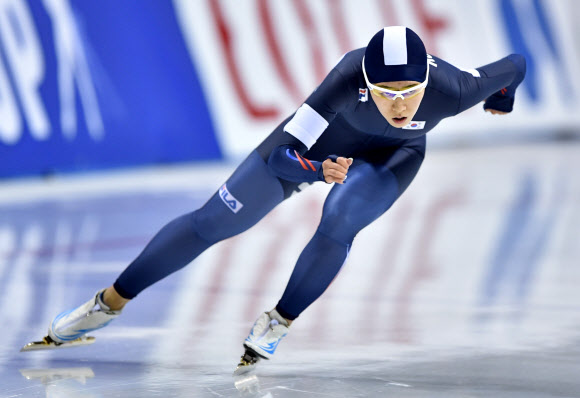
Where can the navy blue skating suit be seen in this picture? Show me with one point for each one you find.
(338, 118)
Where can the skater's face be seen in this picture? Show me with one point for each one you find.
(399, 112)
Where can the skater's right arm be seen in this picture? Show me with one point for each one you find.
(287, 161)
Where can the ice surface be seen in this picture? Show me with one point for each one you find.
(468, 287)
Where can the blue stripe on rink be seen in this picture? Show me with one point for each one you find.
(507, 255)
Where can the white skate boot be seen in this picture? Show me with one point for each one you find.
(266, 334)
(73, 324)
(69, 328)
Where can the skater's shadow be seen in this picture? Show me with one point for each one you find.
(63, 382)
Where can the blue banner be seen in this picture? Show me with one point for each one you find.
(97, 84)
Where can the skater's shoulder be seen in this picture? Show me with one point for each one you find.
(350, 64)
(444, 78)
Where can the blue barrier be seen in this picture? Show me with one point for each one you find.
(89, 85)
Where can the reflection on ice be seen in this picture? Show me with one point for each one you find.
(248, 385)
(63, 382)
(52, 375)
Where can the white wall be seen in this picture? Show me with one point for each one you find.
(280, 50)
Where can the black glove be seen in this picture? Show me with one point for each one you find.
(500, 101)
(503, 100)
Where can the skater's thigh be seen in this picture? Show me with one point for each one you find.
(370, 190)
(244, 199)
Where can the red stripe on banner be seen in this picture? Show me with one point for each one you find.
(214, 291)
(234, 74)
(313, 39)
(269, 34)
(370, 315)
(94, 246)
(387, 12)
(431, 25)
(424, 267)
(266, 273)
(338, 26)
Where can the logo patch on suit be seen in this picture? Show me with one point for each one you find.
(415, 126)
(234, 204)
(363, 94)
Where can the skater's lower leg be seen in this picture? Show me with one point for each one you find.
(315, 269)
(171, 249)
(178, 243)
(113, 299)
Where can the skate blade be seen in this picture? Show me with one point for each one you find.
(244, 368)
(248, 361)
(247, 364)
(48, 344)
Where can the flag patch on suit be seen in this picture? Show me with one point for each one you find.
(363, 95)
(415, 126)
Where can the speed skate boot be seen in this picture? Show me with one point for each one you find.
(266, 334)
(69, 329)
(74, 324)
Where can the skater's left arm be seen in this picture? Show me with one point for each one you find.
(495, 83)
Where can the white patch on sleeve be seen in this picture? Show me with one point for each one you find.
(306, 125)
(395, 45)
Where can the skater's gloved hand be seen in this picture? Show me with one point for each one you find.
(499, 103)
(335, 169)
(502, 102)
